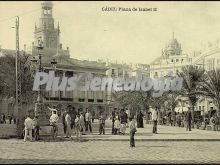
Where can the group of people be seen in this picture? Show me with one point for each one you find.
(120, 120)
(187, 120)
(81, 122)
(10, 118)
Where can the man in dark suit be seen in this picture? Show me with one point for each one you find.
(188, 119)
(113, 121)
(64, 122)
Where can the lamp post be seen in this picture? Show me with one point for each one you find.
(39, 110)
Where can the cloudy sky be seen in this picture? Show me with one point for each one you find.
(132, 37)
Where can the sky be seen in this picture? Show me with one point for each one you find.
(122, 36)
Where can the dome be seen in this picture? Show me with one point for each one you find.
(173, 43)
(173, 47)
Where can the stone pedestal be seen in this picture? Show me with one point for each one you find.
(41, 112)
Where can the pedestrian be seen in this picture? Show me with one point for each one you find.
(36, 128)
(64, 122)
(188, 119)
(10, 118)
(29, 124)
(140, 122)
(113, 121)
(88, 117)
(73, 117)
(178, 119)
(173, 116)
(4, 119)
(93, 116)
(68, 124)
(154, 118)
(117, 124)
(216, 122)
(54, 118)
(82, 122)
(133, 130)
(101, 124)
(123, 121)
(78, 126)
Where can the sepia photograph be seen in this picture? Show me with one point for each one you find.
(110, 82)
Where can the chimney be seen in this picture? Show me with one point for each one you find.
(60, 46)
(67, 48)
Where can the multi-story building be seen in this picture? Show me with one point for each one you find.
(171, 60)
(49, 35)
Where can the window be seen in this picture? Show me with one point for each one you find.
(47, 11)
(177, 60)
(81, 100)
(90, 100)
(172, 60)
(100, 100)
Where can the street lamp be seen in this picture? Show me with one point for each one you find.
(39, 110)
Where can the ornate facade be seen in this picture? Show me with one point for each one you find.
(171, 60)
(47, 33)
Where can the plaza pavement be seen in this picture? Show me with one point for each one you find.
(19, 152)
(170, 145)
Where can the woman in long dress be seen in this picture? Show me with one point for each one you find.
(140, 122)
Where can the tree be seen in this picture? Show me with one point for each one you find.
(192, 76)
(8, 86)
(211, 87)
(8, 76)
(134, 99)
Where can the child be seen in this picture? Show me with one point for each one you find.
(78, 127)
(101, 124)
(132, 128)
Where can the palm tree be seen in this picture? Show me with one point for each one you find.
(211, 87)
(192, 76)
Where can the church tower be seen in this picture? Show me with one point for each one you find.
(46, 31)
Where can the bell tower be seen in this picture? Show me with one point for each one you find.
(46, 31)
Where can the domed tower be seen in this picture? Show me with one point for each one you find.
(46, 31)
(173, 48)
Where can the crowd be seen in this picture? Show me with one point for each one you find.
(81, 122)
(185, 119)
(11, 119)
